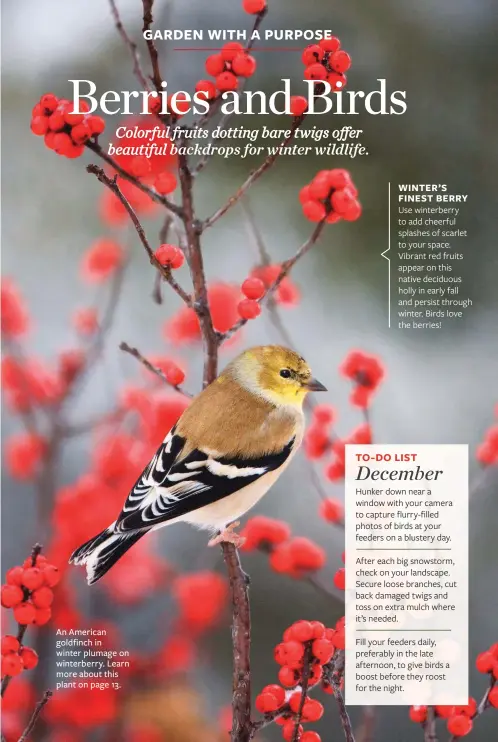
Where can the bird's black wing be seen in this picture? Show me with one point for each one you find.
(171, 486)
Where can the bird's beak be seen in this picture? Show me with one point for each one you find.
(313, 385)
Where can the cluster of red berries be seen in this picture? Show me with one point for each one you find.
(202, 598)
(487, 662)
(366, 372)
(65, 131)
(101, 260)
(28, 590)
(294, 556)
(254, 290)
(14, 315)
(326, 61)
(331, 196)
(170, 256)
(227, 67)
(458, 718)
(306, 647)
(16, 657)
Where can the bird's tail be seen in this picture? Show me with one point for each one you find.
(103, 551)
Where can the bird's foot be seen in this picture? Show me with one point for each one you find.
(228, 536)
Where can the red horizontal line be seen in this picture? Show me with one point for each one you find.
(254, 48)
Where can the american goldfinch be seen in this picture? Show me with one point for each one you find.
(224, 453)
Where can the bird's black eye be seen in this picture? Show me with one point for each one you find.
(285, 373)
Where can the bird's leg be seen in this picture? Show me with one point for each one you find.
(228, 536)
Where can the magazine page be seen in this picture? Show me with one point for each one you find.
(249, 372)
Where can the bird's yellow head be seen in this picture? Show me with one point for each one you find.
(278, 374)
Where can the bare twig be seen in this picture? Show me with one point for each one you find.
(286, 267)
(304, 692)
(196, 265)
(153, 369)
(253, 177)
(157, 78)
(334, 672)
(165, 272)
(366, 728)
(429, 726)
(36, 713)
(137, 69)
(154, 195)
(242, 728)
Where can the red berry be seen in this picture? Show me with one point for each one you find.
(459, 725)
(485, 662)
(215, 65)
(276, 691)
(311, 737)
(332, 511)
(288, 731)
(340, 579)
(175, 375)
(337, 81)
(244, 65)
(32, 578)
(169, 255)
(339, 178)
(312, 710)
(80, 133)
(62, 143)
(493, 697)
(42, 616)
(253, 288)
(266, 703)
(24, 613)
(323, 650)
(353, 212)
(312, 54)
(39, 561)
(295, 701)
(342, 200)
(287, 676)
(315, 72)
(29, 658)
(11, 665)
(330, 45)
(9, 644)
(49, 102)
(230, 50)
(314, 211)
(469, 709)
(179, 104)
(340, 61)
(73, 119)
(206, 88)
(318, 629)
(43, 597)
(301, 631)
(418, 714)
(298, 105)
(254, 6)
(444, 711)
(56, 121)
(320, 186)
(248, 309)
(289, 652)
(96, 124)
(165, 182)
(11, 595)
(39, 125)
(304, 194)
(51, 575)
(85, 321)
(14, 576)
(140, 167)
(226, 81)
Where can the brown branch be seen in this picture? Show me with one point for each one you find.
(165, 272)
(153, 369)
(286, 267)
(429, 726)
(242, 727)
(304, 692)
(196, 265)
(366, 728)
(334, 672)
(137, 69)
(36, 713)
(252, 178)
(154, 195)
(148, 20)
